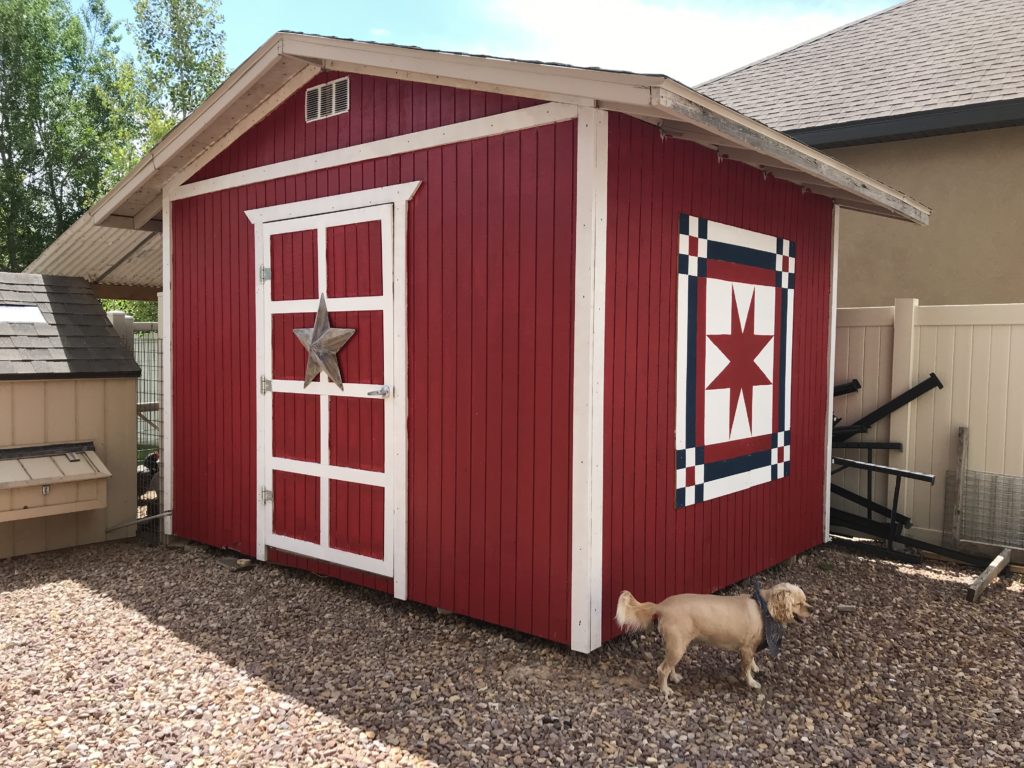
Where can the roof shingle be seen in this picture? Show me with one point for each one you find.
(77, 340)
(918, 56)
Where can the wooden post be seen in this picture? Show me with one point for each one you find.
(959, 482)
(987, 576)
(123, 325)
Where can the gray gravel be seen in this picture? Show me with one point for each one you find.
(121, 655)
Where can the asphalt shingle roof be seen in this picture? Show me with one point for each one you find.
(918, 56)
(76, 341)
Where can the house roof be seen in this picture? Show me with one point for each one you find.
(921, 56)
(54, 327)
(113, 243)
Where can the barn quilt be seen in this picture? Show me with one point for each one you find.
(734, 362)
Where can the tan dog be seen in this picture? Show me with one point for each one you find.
(729, 622)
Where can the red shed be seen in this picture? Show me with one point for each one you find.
(495, 336)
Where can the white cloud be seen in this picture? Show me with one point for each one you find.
(689, 41)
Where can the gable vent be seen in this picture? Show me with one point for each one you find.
(327, 100)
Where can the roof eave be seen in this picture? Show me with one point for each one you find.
(936, 122)
(135, 201)
(752, 142)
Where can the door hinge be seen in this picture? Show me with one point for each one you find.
(266, 495)
(264, 274)
(266, 385)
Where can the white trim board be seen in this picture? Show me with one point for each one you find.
(830, 408)
(165, 308)
(588, 380)
(394, 194)
(468, 130)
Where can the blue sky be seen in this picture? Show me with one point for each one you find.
(691, 40)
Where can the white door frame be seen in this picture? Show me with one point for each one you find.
(389, 205)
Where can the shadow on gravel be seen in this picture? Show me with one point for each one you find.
(902, 672)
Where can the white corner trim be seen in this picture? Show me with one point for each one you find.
(506, 122)
(830, 408)
(395, 194)
(165, 309)
(588, 379)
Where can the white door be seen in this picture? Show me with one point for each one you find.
(331, 454)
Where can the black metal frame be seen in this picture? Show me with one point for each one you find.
(840, 434)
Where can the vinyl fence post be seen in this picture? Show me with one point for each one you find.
(904, 365)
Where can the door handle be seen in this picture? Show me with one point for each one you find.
(384, 391)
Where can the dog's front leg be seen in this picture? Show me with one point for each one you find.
(748, 667)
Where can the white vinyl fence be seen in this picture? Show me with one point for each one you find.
(978, 353)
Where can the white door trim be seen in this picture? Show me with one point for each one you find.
(588, 379)
(398, 194)
(390, 206)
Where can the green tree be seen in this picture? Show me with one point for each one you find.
(181, 55)
(142, 311)
(69, 123)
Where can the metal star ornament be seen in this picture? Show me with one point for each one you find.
(323, 344)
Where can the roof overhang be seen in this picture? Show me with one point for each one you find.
(113, 244)
(935, 122)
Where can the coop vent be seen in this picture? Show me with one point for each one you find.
(327, 100)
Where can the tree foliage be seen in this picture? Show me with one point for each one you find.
(141, 311)
(76, 112)
(181, 54)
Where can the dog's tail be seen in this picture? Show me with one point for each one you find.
(631, 614)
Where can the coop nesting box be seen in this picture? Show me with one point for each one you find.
(67, 417)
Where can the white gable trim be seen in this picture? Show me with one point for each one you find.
(506, 122)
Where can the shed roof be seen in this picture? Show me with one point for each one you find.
(918, 56)
(74, 340)
(113, 243)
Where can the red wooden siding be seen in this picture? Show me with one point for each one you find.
(353, 260)
(297, 280)
(491, 239)
(350, 418)
(296, 506)
(296, 427)
(378, 109)
(290, 358)
(357, 518)
(650, 547)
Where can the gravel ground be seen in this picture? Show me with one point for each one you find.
(121, 655)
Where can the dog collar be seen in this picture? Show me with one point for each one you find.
(772, 638)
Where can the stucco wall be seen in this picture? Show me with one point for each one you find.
(101, 410)
(972, 252)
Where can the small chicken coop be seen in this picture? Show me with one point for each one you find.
(67, 417)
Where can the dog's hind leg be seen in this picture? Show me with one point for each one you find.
(674, 650)
(753, 665)
(747, 667)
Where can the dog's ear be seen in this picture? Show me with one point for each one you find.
(780, 602)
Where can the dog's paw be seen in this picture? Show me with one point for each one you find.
(675, 677)
(753, 683)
